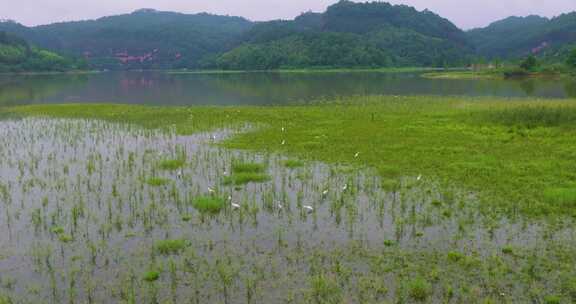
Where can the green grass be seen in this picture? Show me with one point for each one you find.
(245, 178)
(244, 173)
(65, 238)
(549, 72)
(167, 247)
(419, 289)
(509, 151)
(531, 116)
(238, 167)
(292, 163)
(151, 276)
(311, 70)
(58, 230)
(172, 164)
(157, 181)
(208, 204)
(561, 197)
(463, 75)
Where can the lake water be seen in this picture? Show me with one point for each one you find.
(160, 88)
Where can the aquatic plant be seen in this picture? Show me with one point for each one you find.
(209, 204)
(240, 167)
(292, 163)
(325, 290)
(167, 247)
(157, 181)
(172, 164)
(419, 289)
(151, 276)
(245, 178)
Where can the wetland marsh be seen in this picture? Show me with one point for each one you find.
(367, 199)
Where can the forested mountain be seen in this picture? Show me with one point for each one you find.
(521, 36)
(349, 34)
(145, 39)
(16, 55)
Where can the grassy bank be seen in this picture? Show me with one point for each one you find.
(463, 75)
(518, 154)
(313, 70)
(499, 74)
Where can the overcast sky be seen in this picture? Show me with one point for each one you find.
(464, 13)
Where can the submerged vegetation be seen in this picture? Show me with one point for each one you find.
(371, 199)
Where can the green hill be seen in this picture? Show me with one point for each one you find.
(16, 55)
(145, 39)
(349, 34)
(520, 36)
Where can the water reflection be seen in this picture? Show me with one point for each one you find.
(255, 88)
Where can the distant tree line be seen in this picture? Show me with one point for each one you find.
(16, 55)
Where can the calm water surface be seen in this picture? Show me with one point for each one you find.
(254, 88)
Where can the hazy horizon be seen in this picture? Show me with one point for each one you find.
(468, 16)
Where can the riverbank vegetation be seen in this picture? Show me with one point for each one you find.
(529, 67)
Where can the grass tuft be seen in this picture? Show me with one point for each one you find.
(244, 173)
(419, 289)
(245, 178)
(208, 204)
(238, 167)
(151, 276)
(157, 181)
(292, 163)
(172, 164)
(167, 247)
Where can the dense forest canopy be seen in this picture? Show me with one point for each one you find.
(347, 34)
(521, 36)
(16, 55)
(144, 39)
